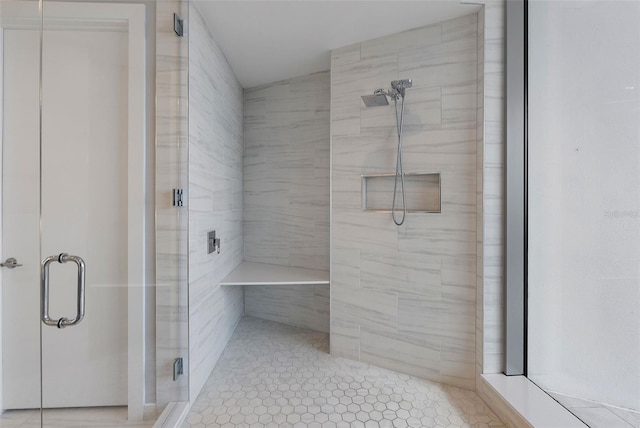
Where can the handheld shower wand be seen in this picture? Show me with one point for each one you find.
(379, 98)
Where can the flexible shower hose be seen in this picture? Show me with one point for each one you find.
(399, 167)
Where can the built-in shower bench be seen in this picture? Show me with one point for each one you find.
(288, 295)
(251, 273)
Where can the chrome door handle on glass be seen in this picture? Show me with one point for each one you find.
(10, 263)
(44, 290)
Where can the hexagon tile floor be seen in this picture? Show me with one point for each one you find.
(274, 375)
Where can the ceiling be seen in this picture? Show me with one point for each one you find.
(267, 41)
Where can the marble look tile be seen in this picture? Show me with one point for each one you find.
(270, 303)
(304, 306)
(346, 55)
(282, 376)
(440, 74)
(459, 106)
(312, 311)
(377, 117)
(369, 153)
(452, 52)
(423, 107)
(458, 361)
(345, 114)
(345, 270)
(372, 74)
(389, 350)
(345, 339)
(460, 28)
(479, 200)
(446, 141)
(407, 40)
(452, 236)
(215, 199)
(286, 179)
(459, 279)
(458, 190)
(419, 315)
(492, 306)
(401, 272)
(356, 228)
(367, 308)
(431, 329)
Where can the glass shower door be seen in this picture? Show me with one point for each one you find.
(84, 215)
(584, 207)
(78, 211)
(92, 215)
(73, 144)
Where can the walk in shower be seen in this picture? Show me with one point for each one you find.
(94, 252)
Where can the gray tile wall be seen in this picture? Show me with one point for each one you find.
(479, 199)
(405, 297)
(491, 287)
(214, 199)
(304, 306)
(286, 172)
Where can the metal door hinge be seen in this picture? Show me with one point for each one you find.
(178, 25)
(178, 369)
(178, 198)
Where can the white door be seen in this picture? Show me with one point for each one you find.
(83, 189)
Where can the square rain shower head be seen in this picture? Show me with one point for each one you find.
(375, 100)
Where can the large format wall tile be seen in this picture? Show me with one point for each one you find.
(298, 305)
(215, 199)
(490, 321)
(286, 172)
(405, 297)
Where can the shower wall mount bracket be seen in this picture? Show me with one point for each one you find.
(178, 197)
(178, 368)
(213, 243)
(178, 25)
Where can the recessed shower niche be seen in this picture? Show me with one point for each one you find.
(422, 192)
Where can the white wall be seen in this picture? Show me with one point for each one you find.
(215, 199)
(584, 199)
